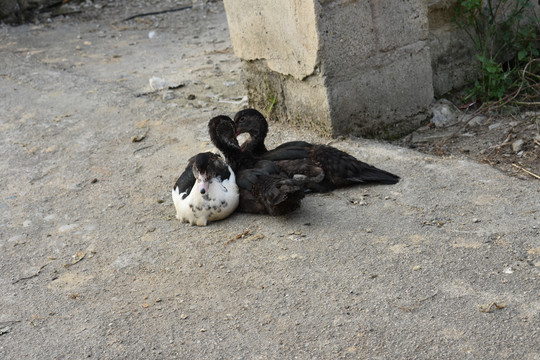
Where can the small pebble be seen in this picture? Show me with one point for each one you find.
(137, 138)
(517, 145)
(168, 95)
(508, 270)
(66, 228)
(494, 126)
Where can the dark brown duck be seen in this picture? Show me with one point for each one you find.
(264, 188)
(337, 168)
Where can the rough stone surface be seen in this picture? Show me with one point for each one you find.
(370, 60)
(453, 57)
(385, 101)
(444, 113)
(284, 32)
(452, 52)
(307, 99)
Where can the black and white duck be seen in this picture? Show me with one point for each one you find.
(264, 188)
(339, 168)
(206, 190)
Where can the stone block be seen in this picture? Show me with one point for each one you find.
(282, 32)
(336, 66)
(452, 52)
(390, 97)
(302, 103)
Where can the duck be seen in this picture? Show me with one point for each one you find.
(337, 168)
(206, 190)
(263, 186)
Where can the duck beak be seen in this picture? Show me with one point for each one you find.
(203, 184)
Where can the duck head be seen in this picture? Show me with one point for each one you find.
(203, 171)
(222, 132)
(252, 122)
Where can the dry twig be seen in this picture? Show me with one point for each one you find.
(527, 171)
(239, 236)
(158, 12)
(487, 308)
(502, 102)
(78, 257)
(30, 276)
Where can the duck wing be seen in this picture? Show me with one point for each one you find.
(265, 190)
(289, 151)
(186, 181)
(325, 167)
(221, 168)
(343, 169)
(279, 196)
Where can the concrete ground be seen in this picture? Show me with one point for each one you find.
(93, 264)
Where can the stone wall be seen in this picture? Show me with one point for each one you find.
(376, 64)
(336, 66)
(279, 42)
(452, 53)
(365, 67)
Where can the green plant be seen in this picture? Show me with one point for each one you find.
(271, 97)
(504, 42)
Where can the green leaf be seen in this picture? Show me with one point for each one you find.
(492, 67)
(482, 58)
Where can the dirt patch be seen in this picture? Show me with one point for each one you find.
(508, 142)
